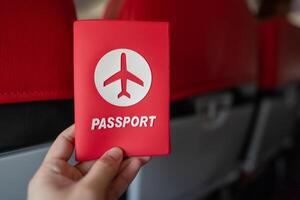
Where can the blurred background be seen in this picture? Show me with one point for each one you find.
(235, 74)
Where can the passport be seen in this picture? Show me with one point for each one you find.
(121, 88)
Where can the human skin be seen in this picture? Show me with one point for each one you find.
(104, 179)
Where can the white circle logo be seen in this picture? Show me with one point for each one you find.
(123, 77)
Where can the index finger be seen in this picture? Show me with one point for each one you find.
(63, 146)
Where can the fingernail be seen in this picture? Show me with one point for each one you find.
(116, 153)
(147, 159)
(144, 160)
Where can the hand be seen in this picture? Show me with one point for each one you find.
(104, 179)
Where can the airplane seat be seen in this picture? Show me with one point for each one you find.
(213, 76)
(36, 85)
(276, 111)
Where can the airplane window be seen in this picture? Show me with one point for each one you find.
(95, 9)
(254, 6)
(294, 13)
(264, 9)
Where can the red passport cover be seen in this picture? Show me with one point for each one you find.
(121, 88)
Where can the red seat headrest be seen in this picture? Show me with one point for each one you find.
(213, 44)
(280, 53)
(36, 56)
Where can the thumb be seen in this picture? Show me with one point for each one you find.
(104, 170)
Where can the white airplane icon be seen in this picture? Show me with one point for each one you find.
(124, 75)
